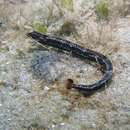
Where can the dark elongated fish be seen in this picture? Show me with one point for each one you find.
(81, 52)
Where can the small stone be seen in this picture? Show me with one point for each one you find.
(62, 124)
(53, 126)
(46, 88)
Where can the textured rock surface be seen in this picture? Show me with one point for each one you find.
(31, 75)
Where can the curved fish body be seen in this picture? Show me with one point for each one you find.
(81, 52)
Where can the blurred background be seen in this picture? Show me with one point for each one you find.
(32, 77)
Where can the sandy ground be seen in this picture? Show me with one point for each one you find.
(30, 96)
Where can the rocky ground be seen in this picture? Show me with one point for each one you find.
(32, 77)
